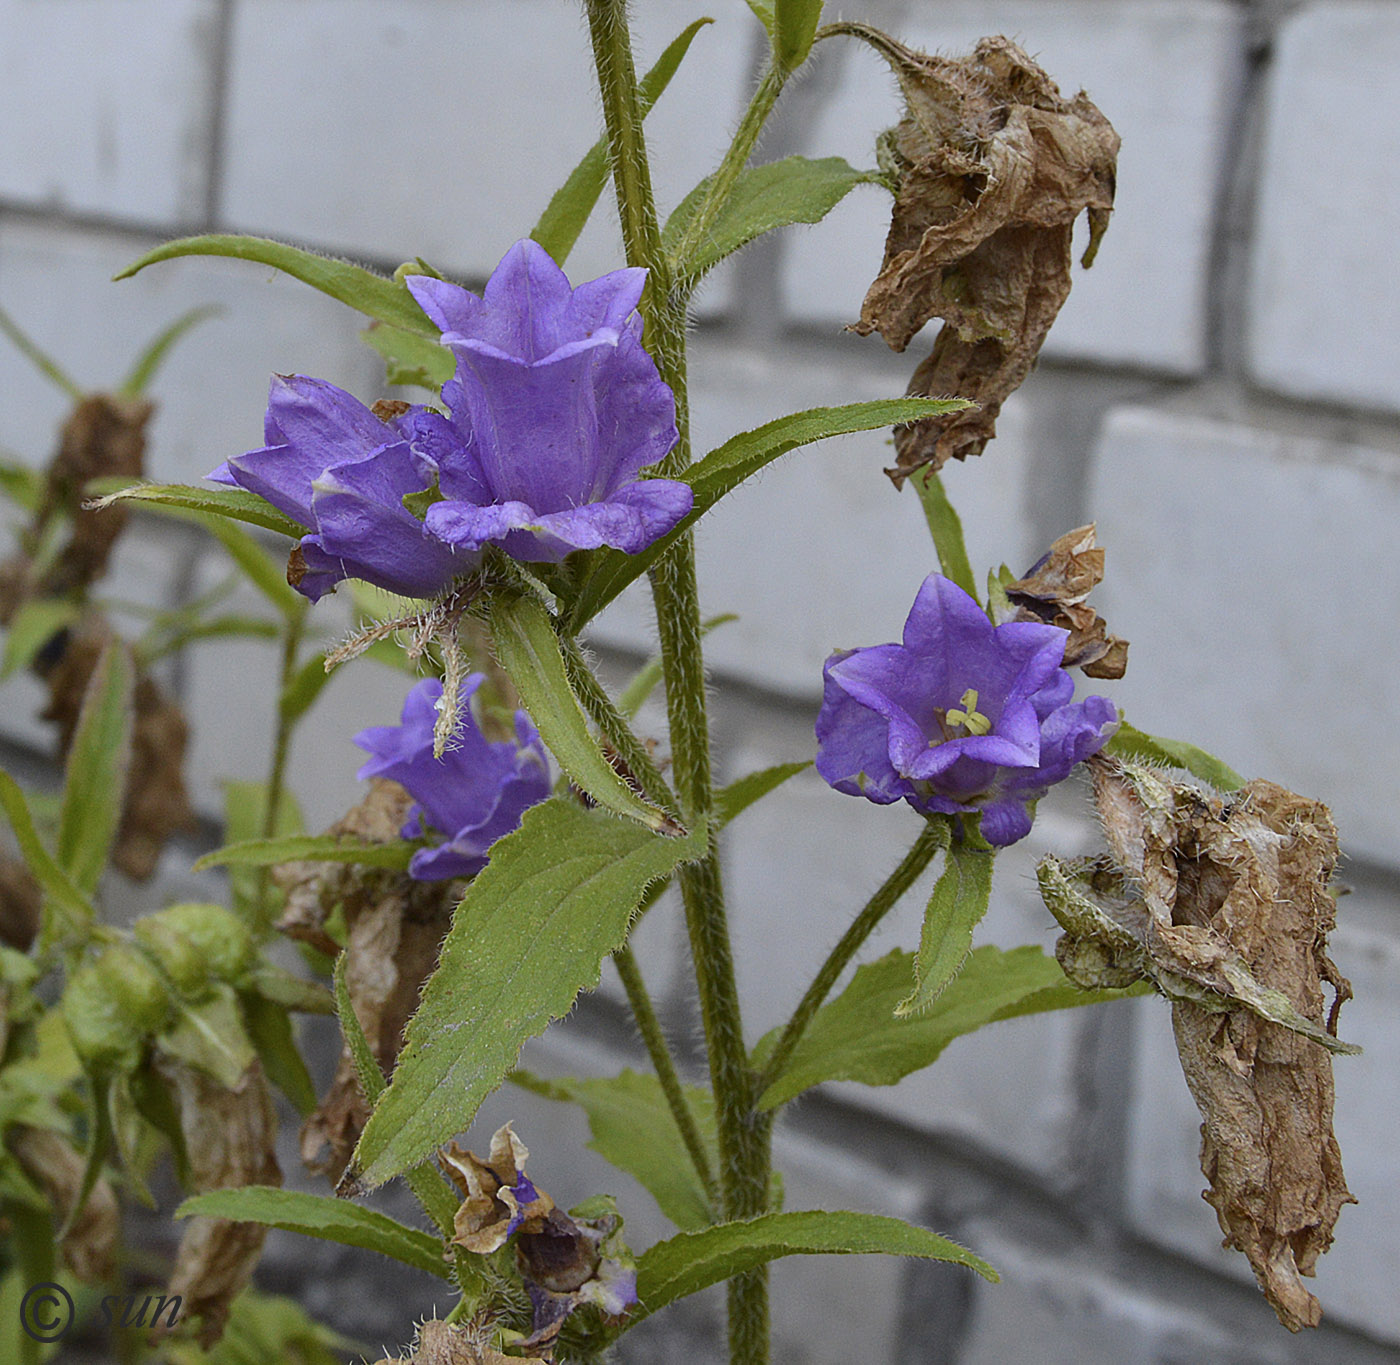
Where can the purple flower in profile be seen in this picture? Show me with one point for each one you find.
(962, 716)
(339, 470)
(554, 411)
(473, 795)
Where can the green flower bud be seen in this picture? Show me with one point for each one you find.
(140, 991)
(198, 945)
(102, 1033)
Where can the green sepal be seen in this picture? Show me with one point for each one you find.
(1130, 742)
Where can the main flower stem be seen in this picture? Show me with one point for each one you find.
(743, 1134)
(293, 628)
(933, 837)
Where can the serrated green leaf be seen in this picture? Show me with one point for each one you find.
(740, 794)
(151, 359)
(410, 358)
(569, 209)
(858, 1037)
(32, 627)
(236, 503)
(96, 770)
(569, 878)
(319, 1215)
(1130, 742)
(632, 1127)
(353, 285)
(779, 194)
(270, 1031)
(692, 1261)
(739, 458)
(794, 26)
(945, 526)
(955, 909)
(528, 650)
(319, 848)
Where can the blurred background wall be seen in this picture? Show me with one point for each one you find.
(1222, 393)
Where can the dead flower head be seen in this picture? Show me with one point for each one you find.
(1223, 903)
(993, 165)
(498, 1198)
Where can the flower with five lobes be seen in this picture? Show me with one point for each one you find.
(962, 716)
(474, 794)
(553, 412)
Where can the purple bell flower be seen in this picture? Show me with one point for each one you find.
(554, 411)
(339, 470)
(474, 794)
(962, 716)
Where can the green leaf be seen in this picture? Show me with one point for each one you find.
(945, 526)
(632, 697)
(373, 295)
(1130, 742)
(320, 848)
(740, 794)
(858, 1037)
(778, 194)
(209, 1035)
(763, 11)
(20, 484)
(180, 631)
(151, 359)
(566, 213)
(529, 651)
(410, 358)
(531, 933)
(237, 503)
(632, 1127)
(959, 900)
(287, 990)
(795, 25)
(302, 688)
(270, 1030)
(692, 1261)
(42, 362)
(267, 573)
(32, 627)
(728, 465)
(245, 809)
(319, 1215)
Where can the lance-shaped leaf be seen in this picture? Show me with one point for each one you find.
(794, 27)
(632, 1127)
(95, 779)
(66, 909)
(955, 909)
(563, 220)
(945, 526)
(692, 1261)
(530, 934)
(728, 465)
(858, 1036)
(236, 503)
(321, 848)
(796, 189)
(151, 359)
(373, 295)
(1130, 742)
(740, 794)
(528, 650)
(319, 1215)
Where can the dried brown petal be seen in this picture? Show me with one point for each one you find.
(490, 1209)
(230, 1136)
(394, 928)
(51, 1162)
(442, 1343)
(994, 166)
(1224, 904)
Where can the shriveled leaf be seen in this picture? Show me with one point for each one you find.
(796, 189)
(570, 878)
(66, 909)
(235, 503)
(318, 1215)
(692, 1261)
(945, 526)
(632, 1127)
(955, 909)
(858, 1037)
(376, 297)
(740, 794)
(1130, 742)
(319, 848)
(529, 651)
(794, 25)
(96, 772)
(32, 627)
(728, 465)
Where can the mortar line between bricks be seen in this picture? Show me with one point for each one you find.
(220, 46)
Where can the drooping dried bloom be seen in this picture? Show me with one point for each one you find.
(962, 716)
(498, 1198)
(333, 466)
(1223, 903)
(994, 165)
(1054, 591)
(555, 411)
(473, 795)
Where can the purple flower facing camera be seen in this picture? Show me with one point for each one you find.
(961, 716)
